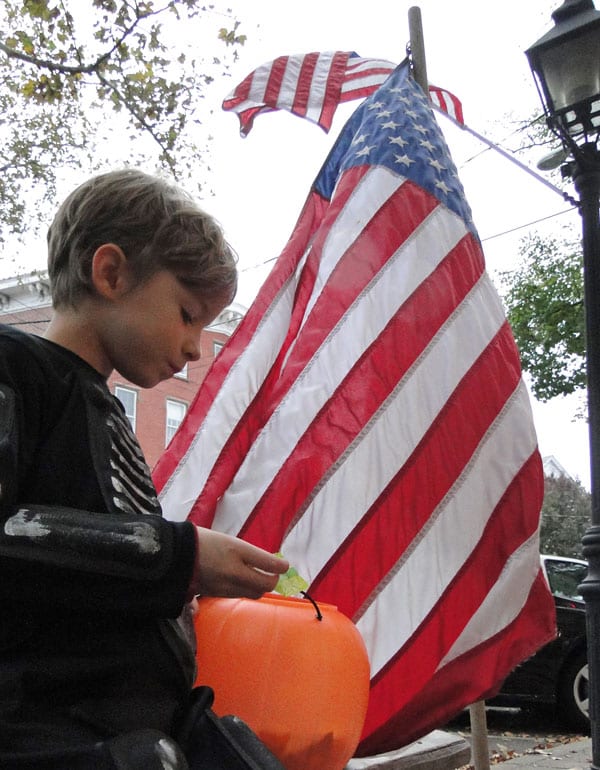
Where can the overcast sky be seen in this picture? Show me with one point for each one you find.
(474, 49)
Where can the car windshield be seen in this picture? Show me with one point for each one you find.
(565, 578)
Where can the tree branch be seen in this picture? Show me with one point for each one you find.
(140, 119)
(80, 69)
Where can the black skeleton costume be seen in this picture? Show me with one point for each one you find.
(92, 578)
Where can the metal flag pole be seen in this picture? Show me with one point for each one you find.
(417, 48)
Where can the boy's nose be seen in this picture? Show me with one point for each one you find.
(192, 349)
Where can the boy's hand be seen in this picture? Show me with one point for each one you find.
(228, 566)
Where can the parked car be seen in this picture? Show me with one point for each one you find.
(557, 675)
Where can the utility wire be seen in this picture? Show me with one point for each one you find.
(529, 224)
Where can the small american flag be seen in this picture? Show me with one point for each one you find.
(447, 103)
(369, 420)
(312, 85)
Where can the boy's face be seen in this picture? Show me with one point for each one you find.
(154, 329)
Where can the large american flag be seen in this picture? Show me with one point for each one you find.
(369, 420)
(312, 85)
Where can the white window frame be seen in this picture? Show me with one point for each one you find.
(120, 391)
(170, 426)
(182, 374)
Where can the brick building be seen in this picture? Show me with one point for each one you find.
(154, 413)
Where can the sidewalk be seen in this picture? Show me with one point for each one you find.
(564, 756)
(444, 751)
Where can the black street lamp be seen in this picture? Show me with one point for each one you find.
(566, 67)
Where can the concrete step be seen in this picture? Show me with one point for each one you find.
(438, 750)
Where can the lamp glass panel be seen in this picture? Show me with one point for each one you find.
(572, 69)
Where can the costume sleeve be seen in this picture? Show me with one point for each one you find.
(75, 559)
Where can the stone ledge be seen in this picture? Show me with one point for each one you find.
(438, 750)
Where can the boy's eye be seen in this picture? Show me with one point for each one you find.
(185, 316)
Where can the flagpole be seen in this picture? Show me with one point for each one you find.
(480, 755)
(419, 70)
(417, 48)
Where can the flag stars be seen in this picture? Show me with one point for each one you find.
(404, 160)
(399, 133)
(359, 139)
(365, 151)
(437, 165)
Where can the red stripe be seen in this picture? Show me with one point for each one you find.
(333, 89)
(307, 69)
(355, 74)
(273, 87)
(247, 118)
(477, 675)
(415, 663)
(362, 391)
(357, 93)
(443, 96)
(421, 484)
(440, 99)
(240, 93)
(389, 228)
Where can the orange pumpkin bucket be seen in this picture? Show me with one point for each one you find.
(296, 673)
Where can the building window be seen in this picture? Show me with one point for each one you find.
(182, 374)
(175, 413)
(217, 346)
(128, 398)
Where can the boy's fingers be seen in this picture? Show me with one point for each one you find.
(259, 559)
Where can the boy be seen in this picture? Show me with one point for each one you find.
(95, 638)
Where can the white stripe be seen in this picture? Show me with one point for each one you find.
(449, 108)
(392, 435)
(245, 105)
(242, 382)
(360, 326)
(318, 87)
(289, 83)
(457, 526)
(367, 80)
(361, 65)
(375, 188)
(504, 601)
(258, 87)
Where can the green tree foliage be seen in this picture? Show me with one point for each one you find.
(565, 516)
(544, 300)
(78, 76)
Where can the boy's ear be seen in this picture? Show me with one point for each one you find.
(110, 271)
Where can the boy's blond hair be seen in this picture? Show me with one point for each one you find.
(157, 225)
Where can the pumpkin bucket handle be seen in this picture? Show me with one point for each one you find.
(314, 604)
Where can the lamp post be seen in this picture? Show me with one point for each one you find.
(566, 67)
